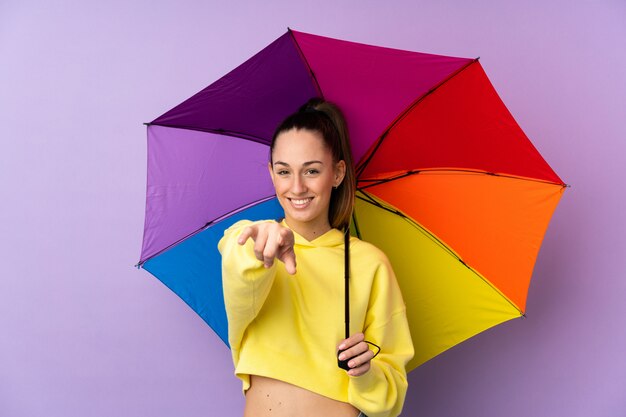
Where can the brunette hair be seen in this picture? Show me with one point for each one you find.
(318, 115)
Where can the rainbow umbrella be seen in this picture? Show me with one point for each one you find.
(449, 185)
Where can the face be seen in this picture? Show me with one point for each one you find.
(304, 175)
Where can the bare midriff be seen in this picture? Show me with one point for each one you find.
(268, 397)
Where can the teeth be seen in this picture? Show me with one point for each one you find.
(306, 200)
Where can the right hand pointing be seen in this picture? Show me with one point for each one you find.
(271, 240)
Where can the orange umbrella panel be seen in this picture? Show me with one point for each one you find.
(494, 224)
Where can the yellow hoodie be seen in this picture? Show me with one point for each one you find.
(287, 327)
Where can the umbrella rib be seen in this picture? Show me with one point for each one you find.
(401, 116)
(206, 225)
(306, 62)
(371, 200)
(224, 132)
(376, 182)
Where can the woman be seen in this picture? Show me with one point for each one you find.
(285, 318)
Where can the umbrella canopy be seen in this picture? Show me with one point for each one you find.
(449, 186)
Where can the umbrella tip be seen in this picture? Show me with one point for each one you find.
(146, 124)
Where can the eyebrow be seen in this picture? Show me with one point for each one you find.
(304, 164)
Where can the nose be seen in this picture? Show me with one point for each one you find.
(299, 185)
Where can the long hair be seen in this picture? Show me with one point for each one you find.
(318, 115)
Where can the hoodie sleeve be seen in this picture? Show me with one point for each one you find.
(245, 280)
(381, 391)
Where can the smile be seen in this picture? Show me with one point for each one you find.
(301, 202)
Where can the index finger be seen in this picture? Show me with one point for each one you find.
(290, 262)
(351, 341)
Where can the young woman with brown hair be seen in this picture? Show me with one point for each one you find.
(285, 327)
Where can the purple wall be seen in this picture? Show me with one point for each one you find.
(84, 333)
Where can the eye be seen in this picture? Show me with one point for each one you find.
(282, 172)
(312, 171)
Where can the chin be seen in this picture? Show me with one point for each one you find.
(302, 218)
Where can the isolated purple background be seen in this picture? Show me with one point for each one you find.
(86, 334)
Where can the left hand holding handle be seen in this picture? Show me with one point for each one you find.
(358, 353)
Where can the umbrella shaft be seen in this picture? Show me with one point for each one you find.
(347, 279)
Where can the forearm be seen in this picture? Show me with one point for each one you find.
(381, 391)
(246, 281)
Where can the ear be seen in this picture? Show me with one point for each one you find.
(340, 172)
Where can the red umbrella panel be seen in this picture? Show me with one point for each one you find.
(450, 187)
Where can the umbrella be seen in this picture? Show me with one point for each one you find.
(449, 186)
